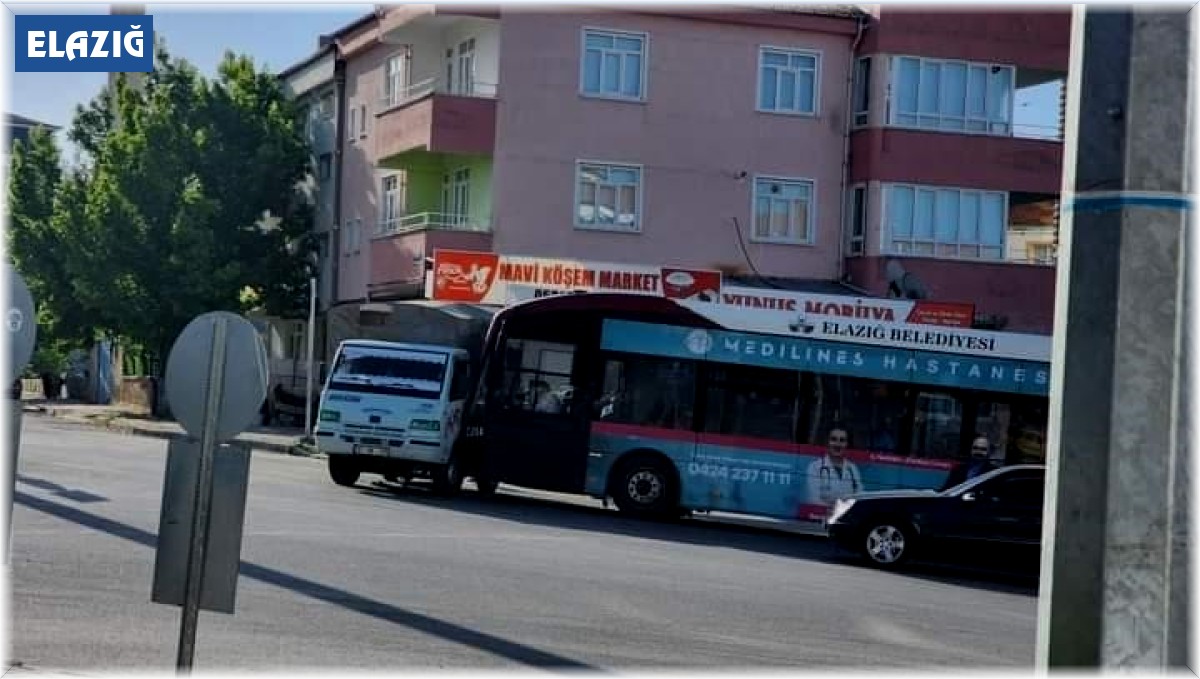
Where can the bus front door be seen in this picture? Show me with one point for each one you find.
(537, 429)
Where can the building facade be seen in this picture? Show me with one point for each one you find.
(814, 145)
(956, 159)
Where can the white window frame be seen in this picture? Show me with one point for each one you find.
(861, 117)
(362, 121)
(465, 64)
(888, 242)
(856, 244)
(352, 125)
(615, 34)
(456, 185)
(988, 124)
(790, 52)
(391, 200)
(614, 227)
(811, 238)
(397, 76)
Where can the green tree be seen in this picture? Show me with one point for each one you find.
(164, 220)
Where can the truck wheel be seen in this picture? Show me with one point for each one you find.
(342, 470)
(645, 486)
(448, 478)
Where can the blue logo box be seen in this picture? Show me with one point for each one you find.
(89, 43)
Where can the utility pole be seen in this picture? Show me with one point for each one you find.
(1114, 591)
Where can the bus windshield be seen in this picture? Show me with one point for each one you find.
(394, 372)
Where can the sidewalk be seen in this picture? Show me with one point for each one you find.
(128, 420)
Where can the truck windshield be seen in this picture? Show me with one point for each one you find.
(395, 372)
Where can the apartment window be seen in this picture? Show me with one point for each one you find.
(783, 210)
(945, 222)
(465, 83)
(325, 167)
(398, 77)
(608, 197)
(857, 215)
(787, 80)
(326, 106)
(352, 124)
(393, 201)
(862, 91)
(952, 95)
(362, 120)
(351, 237)
(614, 64)
(456, 196)
(1040, 253)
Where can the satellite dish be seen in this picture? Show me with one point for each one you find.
(903, 284)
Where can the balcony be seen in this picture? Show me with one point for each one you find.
(436, 221)
(430, 117)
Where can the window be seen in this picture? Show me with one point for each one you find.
(456, 196)
(537, 377)
(325, 167)
(614, 64)
(1028, 491)
(351, 237)
(783, 210)
(952, 95)
(352, 124)
(756, 402)
(398, 77)
(1040, 253)
(862, 91)
(648, 391)
(362, 120)
(325, 107)
(787, 81)
(392, 203)
(1016, 430)
(465, 82)
(857, 215)
(937, 426)
(941, 222)
(460, 382)
(872, 413)
(608, 197)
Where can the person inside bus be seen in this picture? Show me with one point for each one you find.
(978, 464)
(832, 476)
(544, 400)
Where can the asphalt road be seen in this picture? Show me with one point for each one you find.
(368, 578)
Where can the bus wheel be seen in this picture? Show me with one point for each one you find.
(342, 470)
(448, 479)
(645, 486)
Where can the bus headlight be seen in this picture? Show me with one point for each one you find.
(839, 510)
(331, 416)
(425, 425)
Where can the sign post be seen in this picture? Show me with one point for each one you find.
(21, 320)
(216, 380)
(312, 327)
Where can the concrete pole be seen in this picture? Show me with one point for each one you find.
(1115, 558)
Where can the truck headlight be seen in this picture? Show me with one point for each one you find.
(839, 510)
(425, 425)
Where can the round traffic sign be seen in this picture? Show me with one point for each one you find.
(245, 375)
(21, 320)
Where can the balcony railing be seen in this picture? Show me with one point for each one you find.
(429, 220)
(399, 96)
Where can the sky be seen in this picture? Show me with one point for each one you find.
(277, 38)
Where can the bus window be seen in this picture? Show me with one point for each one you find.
(537, 377)
(1017, 431)
(754, 402)
(647, 391)
(871, 412)
(937, 426)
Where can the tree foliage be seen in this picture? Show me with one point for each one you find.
(163, 220)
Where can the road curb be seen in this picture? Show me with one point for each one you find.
(294, 449)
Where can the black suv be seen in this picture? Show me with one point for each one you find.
(995, 518)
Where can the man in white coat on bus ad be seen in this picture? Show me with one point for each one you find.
(832, 476)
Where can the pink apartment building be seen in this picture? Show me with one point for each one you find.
(766, 144)
(714, 141)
